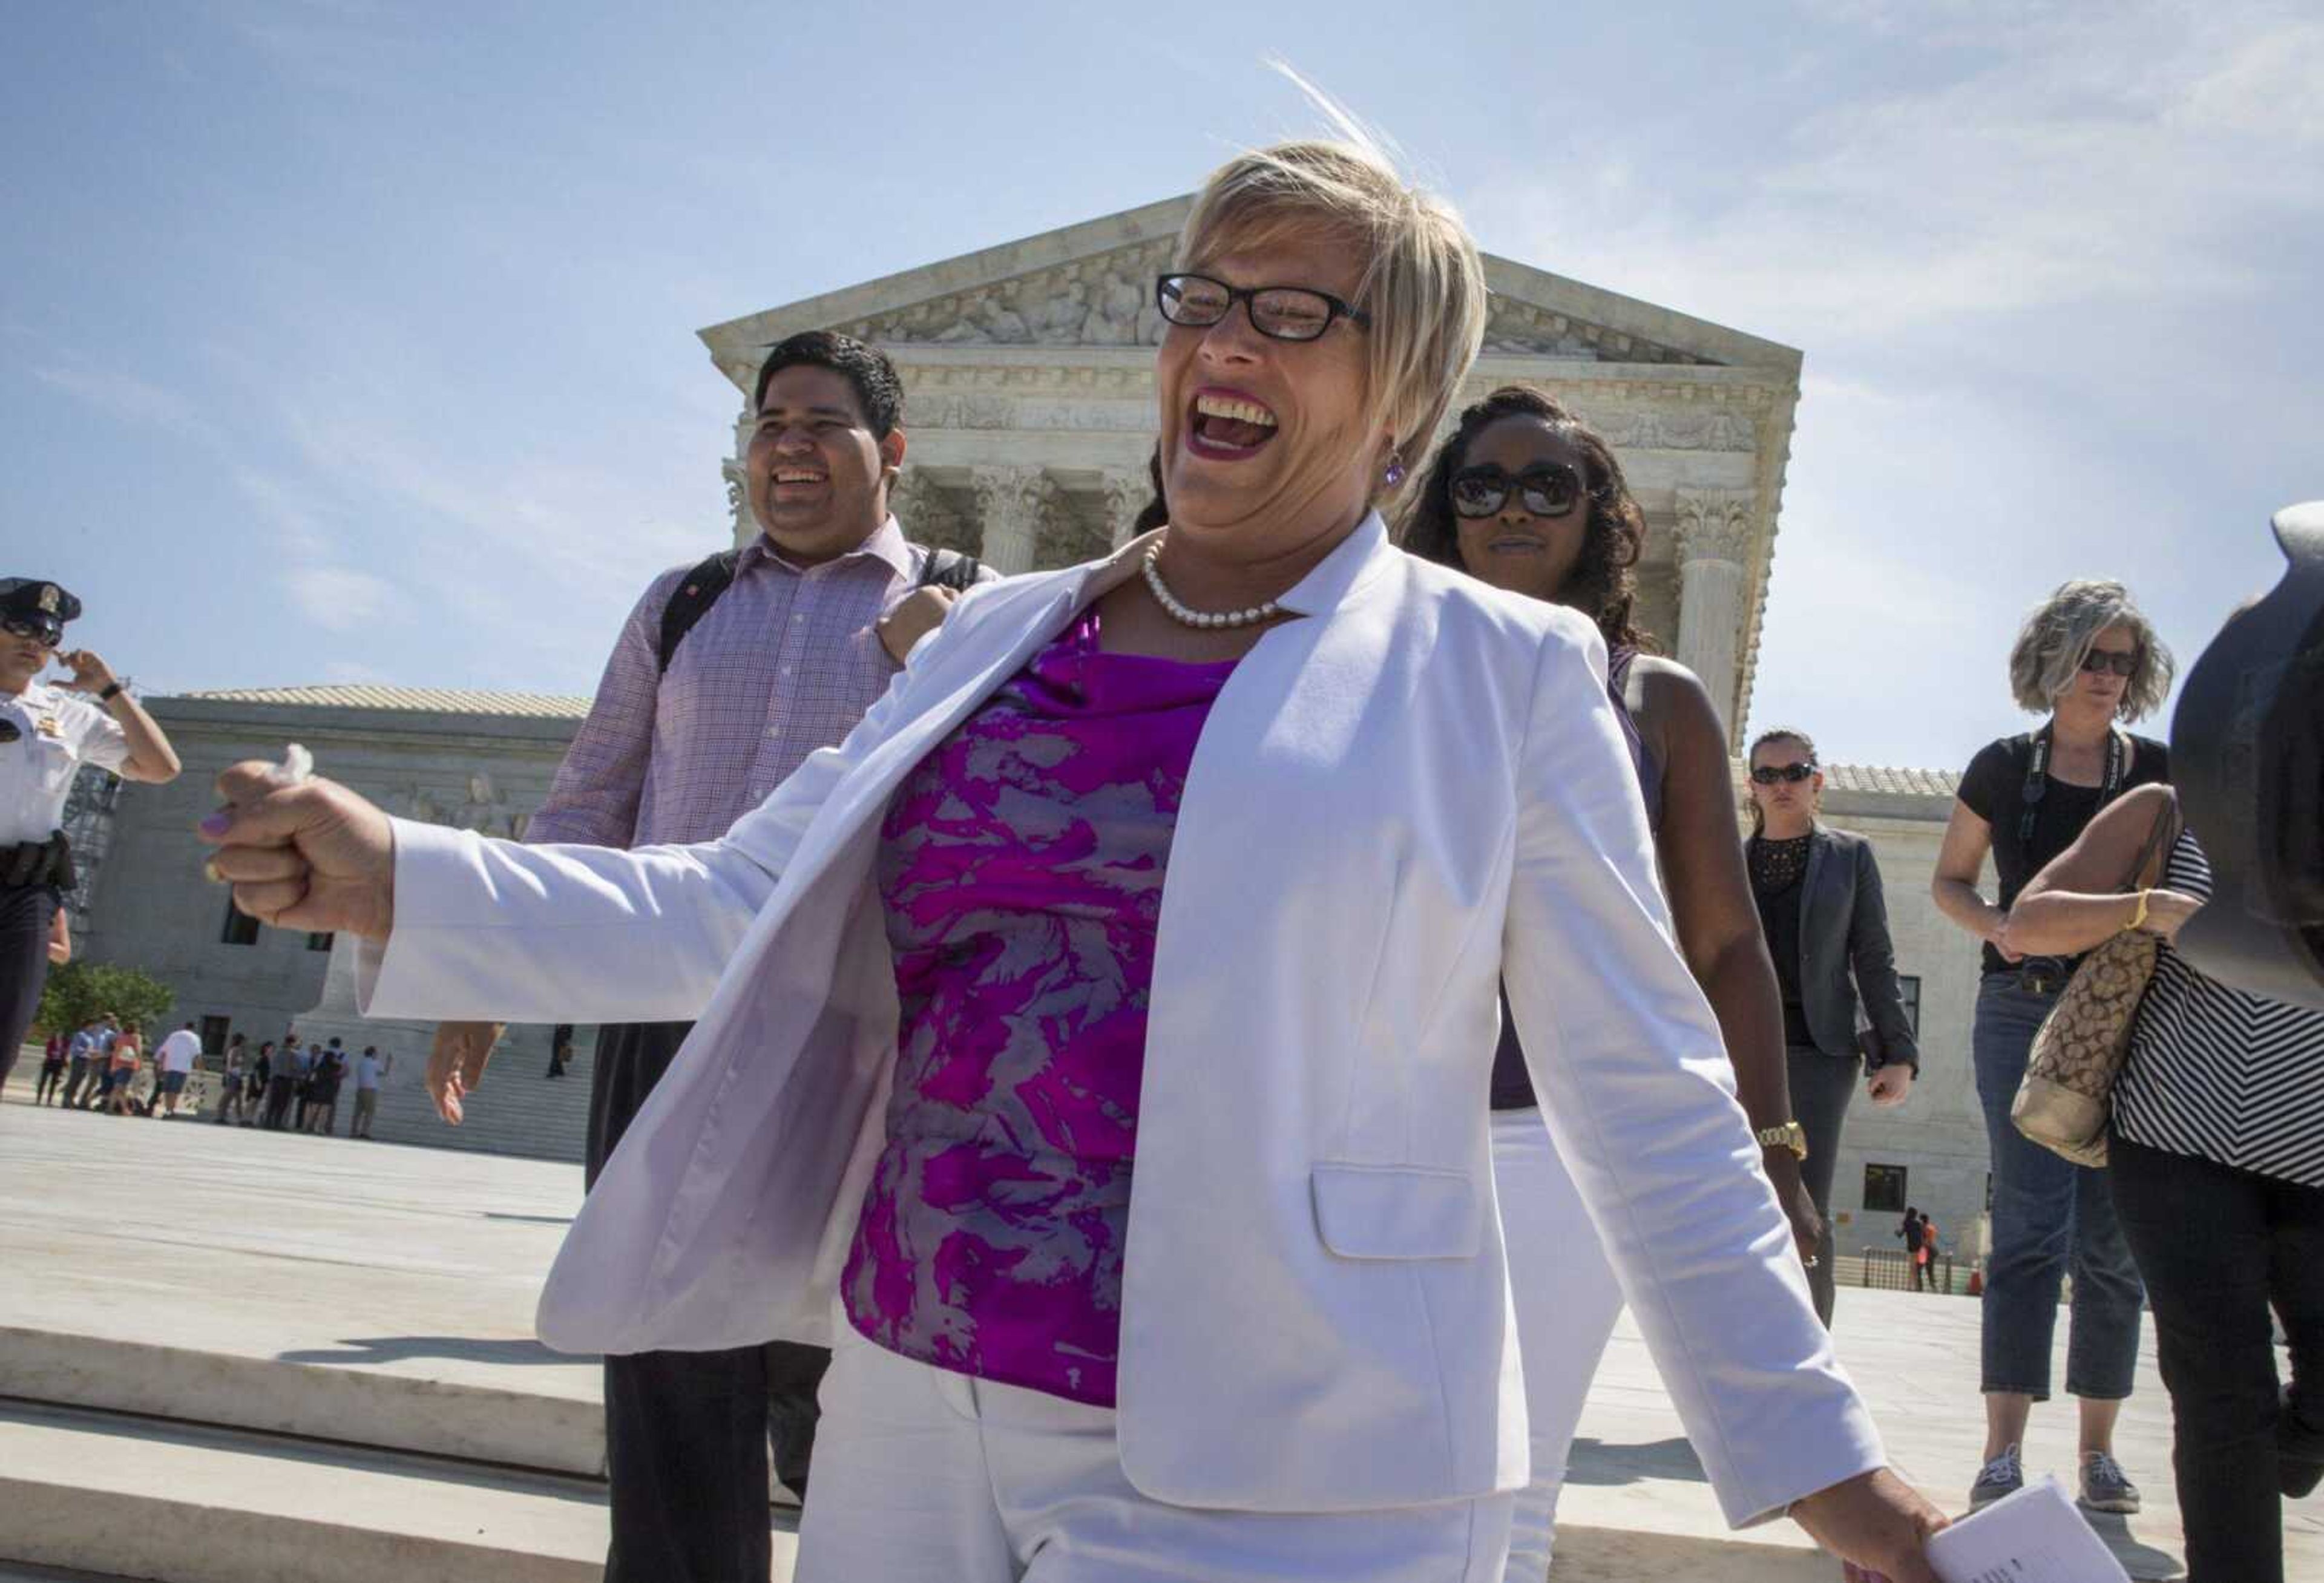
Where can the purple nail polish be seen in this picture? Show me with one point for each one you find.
(217, 824)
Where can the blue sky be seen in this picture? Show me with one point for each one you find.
(348, 341)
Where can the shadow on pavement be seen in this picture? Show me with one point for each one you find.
(2141, 1562)
(357, 1350)
(1600, 1462)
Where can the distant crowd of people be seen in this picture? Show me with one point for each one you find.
(288, 1087)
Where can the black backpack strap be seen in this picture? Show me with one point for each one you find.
(948, 568)
(696, 592)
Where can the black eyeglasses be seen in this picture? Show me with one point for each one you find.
(1280, 313)
(1548, 489)
(1769, 774)
(38, 631)
(2100, 660)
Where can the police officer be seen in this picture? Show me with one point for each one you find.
(46, 734)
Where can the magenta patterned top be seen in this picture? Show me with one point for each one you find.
(1020, 867)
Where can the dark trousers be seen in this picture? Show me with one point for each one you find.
(687, 1433)
(1821, 1087)
(279, 1091)
(27, 913)
(2219, 1247)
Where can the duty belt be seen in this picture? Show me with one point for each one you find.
(38, 862)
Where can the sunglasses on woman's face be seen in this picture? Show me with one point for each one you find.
(1791, 773)
(1549, 490)
(2099, 660)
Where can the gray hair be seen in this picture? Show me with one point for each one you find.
(2057, 636)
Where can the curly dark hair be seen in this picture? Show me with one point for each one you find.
(1602, 585)
(878, 388)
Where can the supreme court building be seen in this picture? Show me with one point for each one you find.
(1030, 407)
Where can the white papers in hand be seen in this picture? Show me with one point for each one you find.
(2035, 1536)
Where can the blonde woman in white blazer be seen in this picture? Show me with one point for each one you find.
(1407, 788)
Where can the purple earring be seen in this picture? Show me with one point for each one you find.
(1394, 472)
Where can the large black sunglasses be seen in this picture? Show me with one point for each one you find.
(2102, 659)
(1280, 313)
(38, 631)
(1769, 774)
(1548, 489)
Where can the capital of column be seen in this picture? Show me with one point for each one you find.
(1126, 495)
(1009, 506)
(1714, 525)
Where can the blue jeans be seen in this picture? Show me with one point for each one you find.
(2047, 1212)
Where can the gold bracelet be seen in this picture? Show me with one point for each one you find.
(2138, 919)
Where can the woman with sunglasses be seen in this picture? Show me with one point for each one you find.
(1524, 496)
(1019, 937)
(1826, 920)
(2089, 660)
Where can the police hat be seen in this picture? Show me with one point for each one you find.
(44, 604)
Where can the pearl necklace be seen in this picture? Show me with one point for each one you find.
(1186, 617)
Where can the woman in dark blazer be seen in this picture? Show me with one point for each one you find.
(1827, 924)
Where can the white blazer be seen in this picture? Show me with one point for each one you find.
(1416, 790)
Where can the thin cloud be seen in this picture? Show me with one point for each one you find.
(2111, 153)
(337, 599)
(124, 396)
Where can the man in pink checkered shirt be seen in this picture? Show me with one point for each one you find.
(821, 610)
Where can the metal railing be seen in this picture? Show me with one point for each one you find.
(1890, 1269)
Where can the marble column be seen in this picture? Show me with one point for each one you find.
(1126, 494)
(1714, 547)
(738, 504)
(1009, 502)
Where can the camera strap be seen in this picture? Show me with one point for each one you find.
(2037, 780)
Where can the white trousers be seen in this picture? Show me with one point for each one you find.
(1567, 1300)
(924, 1474)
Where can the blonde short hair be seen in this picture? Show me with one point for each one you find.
(1423, 284)
(2057, 636)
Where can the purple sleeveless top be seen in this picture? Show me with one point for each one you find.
(1020, 870)
(1512, 1084)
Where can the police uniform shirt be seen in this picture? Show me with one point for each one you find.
(57, 732)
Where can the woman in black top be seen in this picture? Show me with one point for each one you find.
(1526, 496)
(1826, 920)
(2088, 659)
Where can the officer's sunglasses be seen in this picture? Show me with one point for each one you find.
(1769, 774)
(40, 632)
(1549, 490)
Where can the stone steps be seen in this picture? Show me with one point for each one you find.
(560, 1434)
(140, 1497)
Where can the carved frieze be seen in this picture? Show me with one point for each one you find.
(1677, 432)
(1109, 301)
(1105, 301)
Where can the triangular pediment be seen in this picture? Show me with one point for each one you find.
(1090, 286)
